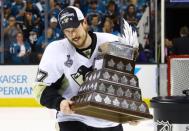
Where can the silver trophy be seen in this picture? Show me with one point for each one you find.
(112, 90)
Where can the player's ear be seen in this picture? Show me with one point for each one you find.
(85, 21)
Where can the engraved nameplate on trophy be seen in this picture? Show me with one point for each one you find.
(108, 61)
(113, 76)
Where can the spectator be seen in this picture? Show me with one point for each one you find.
(10, 32)
(29, 23)
(113, 13)
(36, 15)
(20, 50)
(140, 6)
(33, 37)
(18, 7)
(54, 11)
(181, 44)
(57, 33)
(95, 24)
(93, 10)
(42, 43)
(130, 15)
(62, 3)
(111, 8)
(108, 27)
(138, 3)
(32, 8)
(12, 29)
(77, 3)
(7, 12)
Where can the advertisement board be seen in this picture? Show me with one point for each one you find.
(16, 83)
(147, 75)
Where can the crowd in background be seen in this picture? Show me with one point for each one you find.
(179, 45)
(24, 24)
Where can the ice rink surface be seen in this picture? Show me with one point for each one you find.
(42, 119)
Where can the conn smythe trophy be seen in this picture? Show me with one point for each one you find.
(112, 91)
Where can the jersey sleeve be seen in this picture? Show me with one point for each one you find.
(102, 38)
(49, 81)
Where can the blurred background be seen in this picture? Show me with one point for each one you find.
(28, 26)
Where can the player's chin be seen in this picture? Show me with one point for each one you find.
(77, 44)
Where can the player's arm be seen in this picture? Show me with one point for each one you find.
(51, 82)
(49, 95)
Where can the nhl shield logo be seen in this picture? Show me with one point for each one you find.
(163, 126)
(69, 61)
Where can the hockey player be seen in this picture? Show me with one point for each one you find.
(62, 70)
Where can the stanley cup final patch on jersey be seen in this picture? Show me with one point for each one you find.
(69, 61)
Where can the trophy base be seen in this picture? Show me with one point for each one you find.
(109, 113)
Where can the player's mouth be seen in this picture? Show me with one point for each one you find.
(76, 39)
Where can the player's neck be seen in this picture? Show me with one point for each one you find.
(87, 42)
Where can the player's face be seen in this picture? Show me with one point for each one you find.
(77, 36)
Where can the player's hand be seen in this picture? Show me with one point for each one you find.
(133, 123)
(103, 48)
(65, 106)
